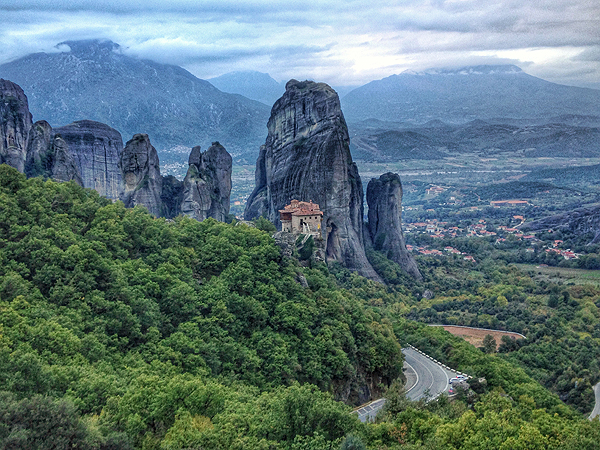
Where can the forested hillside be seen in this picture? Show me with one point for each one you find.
(118, 330)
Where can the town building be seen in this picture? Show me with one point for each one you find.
(509, 203)
(301, 218)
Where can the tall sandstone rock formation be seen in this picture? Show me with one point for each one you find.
(207, 184)
(142, 183)
(307, 157)
(48, 155)
(96, 149)
(91, 154)
(384, 198)
(15, 122)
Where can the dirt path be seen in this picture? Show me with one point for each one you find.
(474, 336)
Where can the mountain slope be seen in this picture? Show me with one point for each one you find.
(94, 80)
(374, 142)
(255, 85)
(482, 92)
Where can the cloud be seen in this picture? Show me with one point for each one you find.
(350, 42)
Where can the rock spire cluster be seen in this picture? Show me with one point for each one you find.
(307, 156)
(92, 155)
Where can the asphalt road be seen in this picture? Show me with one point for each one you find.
(424, 378)
(596, 410)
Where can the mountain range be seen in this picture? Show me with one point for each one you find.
(94, 80)
(411, 115)
(462, 95)
(374, 140)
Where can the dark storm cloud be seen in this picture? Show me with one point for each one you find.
(351, 41)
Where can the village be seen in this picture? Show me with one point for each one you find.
(439, 230)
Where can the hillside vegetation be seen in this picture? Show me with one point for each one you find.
(119, 330)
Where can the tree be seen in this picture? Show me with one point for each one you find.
(489, 344)
(352, 443)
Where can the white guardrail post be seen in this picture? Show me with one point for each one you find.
(437, 362)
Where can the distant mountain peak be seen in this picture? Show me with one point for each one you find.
(255, 85)
(470, 70)
(89, 46)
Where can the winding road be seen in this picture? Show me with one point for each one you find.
(424, 378)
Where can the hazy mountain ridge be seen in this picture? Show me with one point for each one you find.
(251, 84)
(373, 141)
(95, 80)
(457, 96)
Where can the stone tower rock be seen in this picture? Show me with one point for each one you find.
(15, 123)
(384, 198)
(48, 155)
(207, 184)
(38, 161)
(306, 156)
(142, 183)
(96, 149)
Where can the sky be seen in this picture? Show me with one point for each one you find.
(342, 42)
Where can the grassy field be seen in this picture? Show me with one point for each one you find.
(566, 275)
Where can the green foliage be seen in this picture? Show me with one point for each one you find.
(45, 423)
(351, 442)
(489, 344)
(119, 330)
(135, 319)
(264, 224)
(307, 249)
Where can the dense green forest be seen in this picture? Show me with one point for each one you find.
(119, 330)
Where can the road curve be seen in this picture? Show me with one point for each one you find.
(425, 378)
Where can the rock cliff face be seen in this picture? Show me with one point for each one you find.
(91, 154)
(142, 183)
(306, 156)
(96, 149)
(39, 149)
(384, 197)
(48, 155)
(207, 184)
(64, 167)
(15, 122)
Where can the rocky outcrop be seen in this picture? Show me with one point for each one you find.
(63, 166)
(48, 155)
(142, 183)
(581, 221)
(96, 149)
(384, 198)
(306, 156)
(39, 148)
(207, 184)
(92, 155)
(15, 123)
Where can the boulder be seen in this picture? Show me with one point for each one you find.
(63, 166)
(48, 155)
